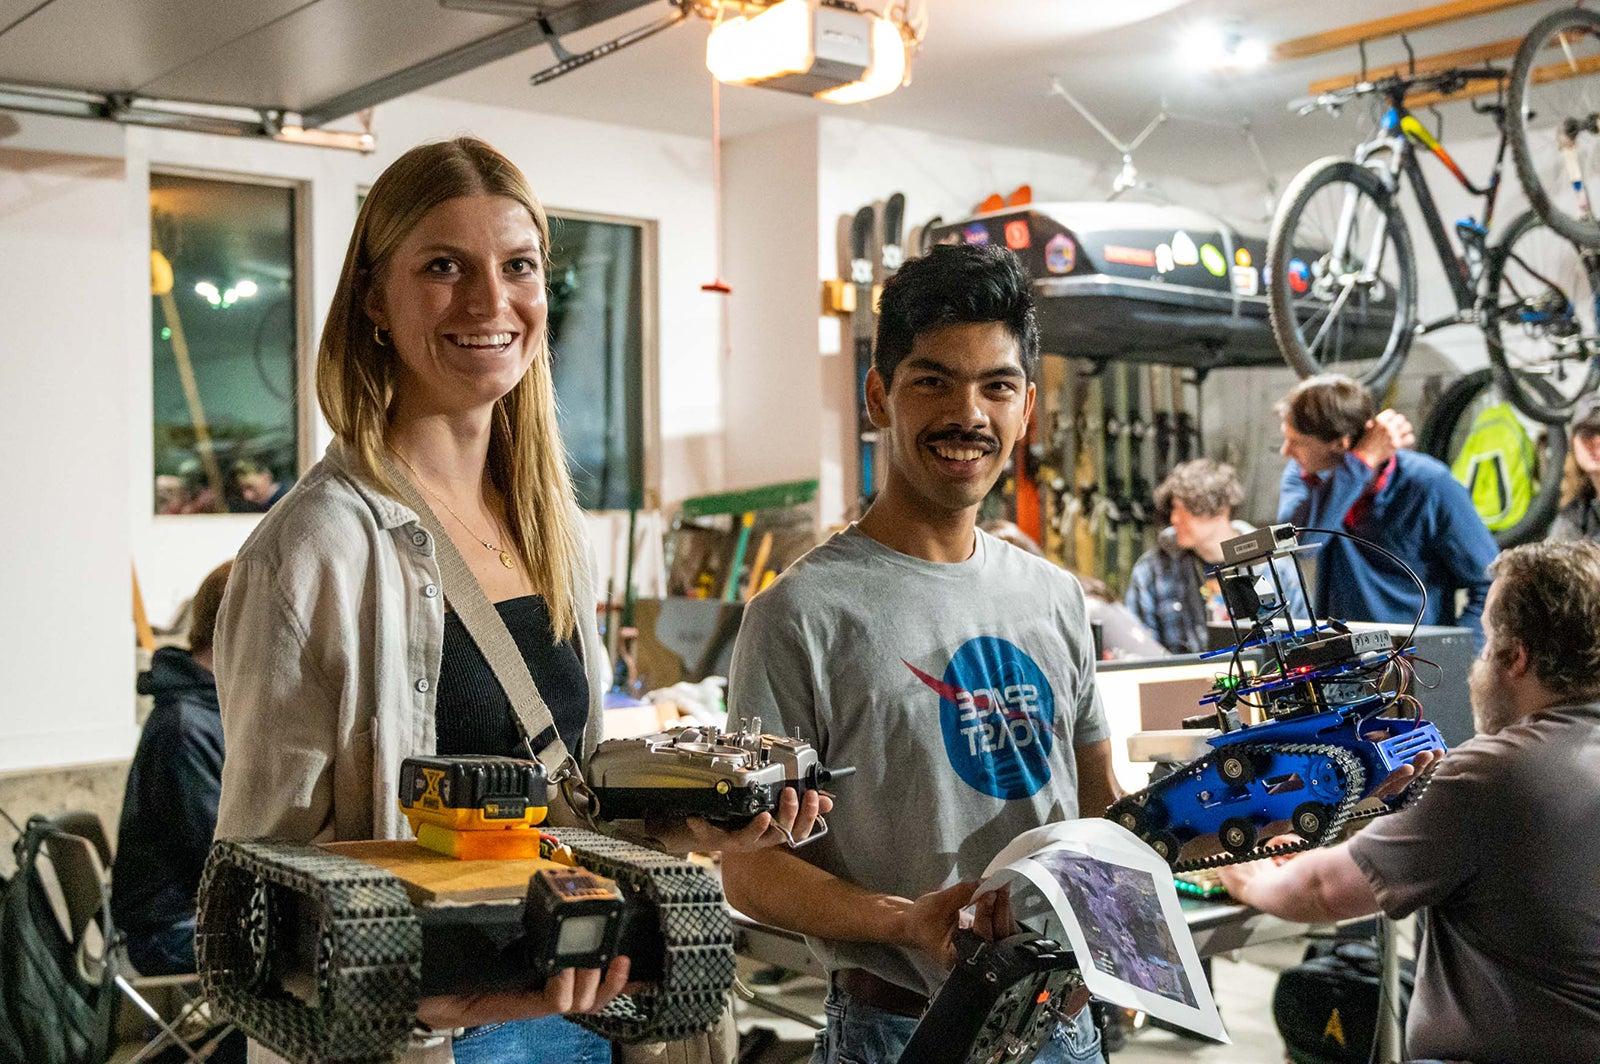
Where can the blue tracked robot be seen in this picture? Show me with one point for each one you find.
(1335, 719)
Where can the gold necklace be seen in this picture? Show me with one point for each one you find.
(505, 556)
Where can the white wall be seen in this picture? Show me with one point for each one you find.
(75, 377)
(66, 629)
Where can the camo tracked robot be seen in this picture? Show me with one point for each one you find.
(726, 777)
(1327, 739)
(322, 953)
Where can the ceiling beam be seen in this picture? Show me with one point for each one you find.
(1388, 26)
(1541, 75)
(506, 42)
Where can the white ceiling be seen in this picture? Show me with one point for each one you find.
(985, 70)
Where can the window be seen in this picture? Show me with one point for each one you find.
(597, 326)
(224, 327)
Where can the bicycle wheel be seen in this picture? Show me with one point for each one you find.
(1341, 275)
(1554, 125)
(1541, 324)
(1509, 464)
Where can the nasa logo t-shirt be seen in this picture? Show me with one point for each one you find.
(958, 692)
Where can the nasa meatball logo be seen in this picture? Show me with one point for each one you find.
(997, 713)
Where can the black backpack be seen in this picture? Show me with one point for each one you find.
(49, 1013)
(1326, 1008)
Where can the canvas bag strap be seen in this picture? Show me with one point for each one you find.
(488, 630)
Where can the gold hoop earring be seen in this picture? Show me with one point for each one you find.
(377, 336)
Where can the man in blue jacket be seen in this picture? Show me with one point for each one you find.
(1345, 473)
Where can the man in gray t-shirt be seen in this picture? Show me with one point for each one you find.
(1501, 857)
(954, 671)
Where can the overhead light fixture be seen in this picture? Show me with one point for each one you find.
(1227, 49)
(817, 48)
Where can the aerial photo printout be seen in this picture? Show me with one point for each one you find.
(1119, 911)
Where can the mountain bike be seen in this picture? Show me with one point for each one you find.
(1553, 117)
(1342, 273)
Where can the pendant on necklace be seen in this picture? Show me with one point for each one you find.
(505, 559)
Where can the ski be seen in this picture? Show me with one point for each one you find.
(1127, 471)
(891, 254)
(1161, 400)
(862, 324)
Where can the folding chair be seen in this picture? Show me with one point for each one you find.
(80, 868)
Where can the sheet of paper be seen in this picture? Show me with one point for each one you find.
(1093, 886)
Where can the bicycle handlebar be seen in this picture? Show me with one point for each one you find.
(1445, 81)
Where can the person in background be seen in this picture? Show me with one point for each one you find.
(1580, 486)
(257, 485)
(1168, 590)
(1118, 633)
(1498, 856)
(1349, 470)
(169, 808)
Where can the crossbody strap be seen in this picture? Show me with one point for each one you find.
(488, 630)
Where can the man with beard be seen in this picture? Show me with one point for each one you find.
(955, 671)
(1499, 856)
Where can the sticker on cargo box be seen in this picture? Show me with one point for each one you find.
(1060, 254)
(1184, 253)
(1126, 256)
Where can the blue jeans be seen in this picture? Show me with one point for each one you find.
(548, 1040)
(861, 1034)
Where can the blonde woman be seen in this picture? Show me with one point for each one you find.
(1580, 484)
(337, 656)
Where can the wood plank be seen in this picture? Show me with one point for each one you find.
(1541, 76)
(432, 877)
(1388, 26)
(1462, 57)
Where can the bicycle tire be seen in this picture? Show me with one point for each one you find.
(1440, 428)
(1522, 68)
(1529, 394)
(1280, 251)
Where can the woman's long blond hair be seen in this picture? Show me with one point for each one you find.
(356, 376)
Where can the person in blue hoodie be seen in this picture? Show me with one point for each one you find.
(169, 809)
(1346, 473)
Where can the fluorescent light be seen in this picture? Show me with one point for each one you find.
(206, 290)
(245, 289)
(776, 42)
(887, 72)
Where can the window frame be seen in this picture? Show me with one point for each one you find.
(305, 390)
(649, 344)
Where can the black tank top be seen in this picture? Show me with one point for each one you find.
(471, 711)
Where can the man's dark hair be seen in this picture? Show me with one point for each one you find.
(1329, 407)
(1548, 599)
(955, 284)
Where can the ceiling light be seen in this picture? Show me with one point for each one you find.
(1226, 49)
(810, 47)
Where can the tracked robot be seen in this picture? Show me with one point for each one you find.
(729, 778)
(1336, 717)
(322, 953)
